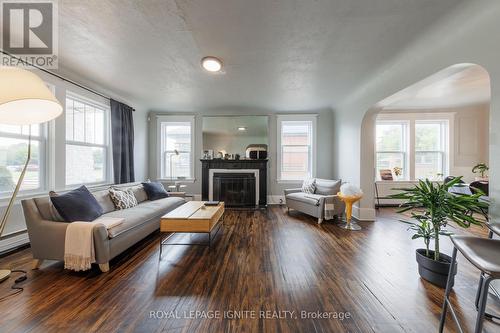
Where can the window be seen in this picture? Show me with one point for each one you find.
(391, 146)
(13, 154)
(416, 143)
(430, 148)
(87, 142)
(176, 137)
(296, 142)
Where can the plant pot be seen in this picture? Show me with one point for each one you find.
(436, 272)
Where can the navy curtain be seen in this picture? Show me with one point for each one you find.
(122, 132)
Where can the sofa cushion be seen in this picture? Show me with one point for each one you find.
(140, 193)
(143, 213)
(47, 209)
(104, 200)
(311, 199)
(123, 199)
(327, 187)
(155, 190)
(76, 205)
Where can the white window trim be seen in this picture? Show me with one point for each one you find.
(406, 144)
(295, 117)
(108, 168)
(412, 118)
(42, 163)
(174, 118)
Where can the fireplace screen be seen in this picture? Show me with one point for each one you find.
(235, 189)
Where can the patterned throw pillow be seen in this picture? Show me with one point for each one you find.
(309, 186)
(123, 199)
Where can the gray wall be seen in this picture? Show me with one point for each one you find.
(324, 137)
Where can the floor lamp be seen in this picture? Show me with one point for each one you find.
(24, 100)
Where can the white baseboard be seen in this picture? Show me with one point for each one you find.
(275, 199)
(364, 214)
(11, 243)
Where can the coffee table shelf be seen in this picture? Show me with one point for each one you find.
(192, 217)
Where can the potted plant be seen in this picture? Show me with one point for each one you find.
(432, 208)
(481, 168)
(397, 172)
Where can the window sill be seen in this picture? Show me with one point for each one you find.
(281, 181)
(414, 181)
(168, 180)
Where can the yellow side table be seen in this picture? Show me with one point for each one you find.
(349, 201)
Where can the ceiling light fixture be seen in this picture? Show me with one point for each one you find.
(211, 64)
(241, 128)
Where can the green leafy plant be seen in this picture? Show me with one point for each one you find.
(432, 206)
(480, 168)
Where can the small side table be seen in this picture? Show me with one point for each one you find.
(349, 201)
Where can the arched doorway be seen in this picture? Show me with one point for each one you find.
(459, 96)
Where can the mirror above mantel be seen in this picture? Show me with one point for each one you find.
(232, 135)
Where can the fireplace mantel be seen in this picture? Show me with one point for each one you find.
(245, 164)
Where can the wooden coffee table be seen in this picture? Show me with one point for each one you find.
(192, 217)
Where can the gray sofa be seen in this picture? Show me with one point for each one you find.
(314, 204)
(47, 231)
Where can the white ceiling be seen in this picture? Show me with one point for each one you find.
(277, 54)
(457, 85)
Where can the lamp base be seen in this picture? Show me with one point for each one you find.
(350, 226)
(4, 274)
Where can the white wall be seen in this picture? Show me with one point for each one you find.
(14, 233)
(465, 36)
(275, 189)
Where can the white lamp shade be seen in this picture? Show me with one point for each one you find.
(25, 99)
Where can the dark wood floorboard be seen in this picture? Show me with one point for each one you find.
(261, 261)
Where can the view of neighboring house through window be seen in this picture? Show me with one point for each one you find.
(296, 142)
(13, 154)
(176, 137)
(87, 142)
(391, 146)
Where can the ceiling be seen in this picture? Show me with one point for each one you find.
(277, 54)
(457, 85)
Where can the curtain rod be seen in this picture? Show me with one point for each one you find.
(58, 76)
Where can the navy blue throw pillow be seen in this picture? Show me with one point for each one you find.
(155, 190)
(77, 205)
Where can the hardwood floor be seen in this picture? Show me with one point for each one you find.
(261, 261)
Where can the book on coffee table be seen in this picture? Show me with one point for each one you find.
(212, 203)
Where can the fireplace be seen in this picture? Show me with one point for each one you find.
(242, 182)
(235, 189)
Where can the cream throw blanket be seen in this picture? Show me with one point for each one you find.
(79, 251)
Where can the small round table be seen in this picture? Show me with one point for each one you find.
(349, 201)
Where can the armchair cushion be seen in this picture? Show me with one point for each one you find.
(311, 199)
(327, 187)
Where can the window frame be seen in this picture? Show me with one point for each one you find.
(42, 139)
(444, 150)
(161, 119)
(445, 118)
(106, 145)
(405, 144)
(279, 151)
